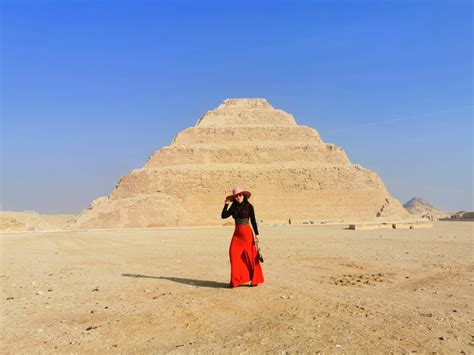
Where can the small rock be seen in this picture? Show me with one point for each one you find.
(95, 289)
(90, 328)
(338, 346)
(10, 298)
(441, 338)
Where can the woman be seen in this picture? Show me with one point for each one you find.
(244, 263)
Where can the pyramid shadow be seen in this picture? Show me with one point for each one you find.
(191, 282)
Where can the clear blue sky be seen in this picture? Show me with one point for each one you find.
(90, 89)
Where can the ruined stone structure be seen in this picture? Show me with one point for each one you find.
(291, 172)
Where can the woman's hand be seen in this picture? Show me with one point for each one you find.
(227, 201)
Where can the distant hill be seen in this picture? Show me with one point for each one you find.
(424, 209)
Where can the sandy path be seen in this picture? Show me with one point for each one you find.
(327, 289)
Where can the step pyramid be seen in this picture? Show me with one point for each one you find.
(290, 171)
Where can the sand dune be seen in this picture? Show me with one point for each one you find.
(327, 289)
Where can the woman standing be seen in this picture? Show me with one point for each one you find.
(244, 263)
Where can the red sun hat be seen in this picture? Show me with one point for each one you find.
(236, 191)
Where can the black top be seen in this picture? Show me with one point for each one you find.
(242, 210)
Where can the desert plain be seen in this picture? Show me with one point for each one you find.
(327, 289)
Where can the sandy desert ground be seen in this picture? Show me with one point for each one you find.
(327, 289)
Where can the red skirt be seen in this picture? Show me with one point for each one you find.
(244, 263)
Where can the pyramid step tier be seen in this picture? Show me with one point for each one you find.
(263, 153)
(180, 180)
(249, 117)
(206, 135)
(245, 112)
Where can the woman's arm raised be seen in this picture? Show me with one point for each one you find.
(226, 213)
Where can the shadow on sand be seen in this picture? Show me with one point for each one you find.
(192, 282)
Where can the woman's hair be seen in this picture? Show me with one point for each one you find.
(245, 206)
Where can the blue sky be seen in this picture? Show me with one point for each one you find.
(91, 89)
